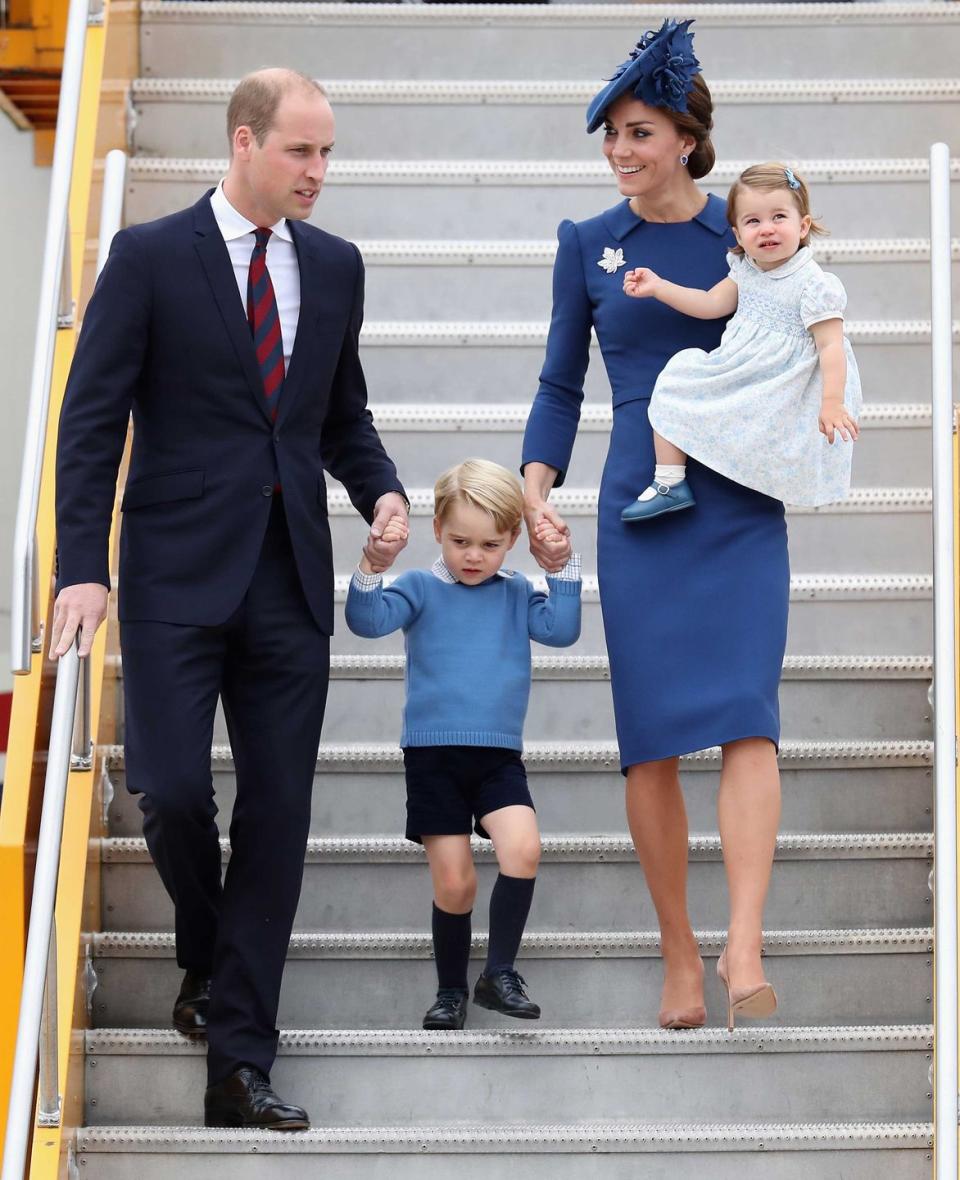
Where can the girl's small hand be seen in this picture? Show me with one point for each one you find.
(640, 283)
(835, 419)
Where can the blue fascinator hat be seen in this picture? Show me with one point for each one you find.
(659, 71)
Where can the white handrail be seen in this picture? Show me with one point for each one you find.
(69, 748)
(945, 675)
(24, 609)
(19, 1121)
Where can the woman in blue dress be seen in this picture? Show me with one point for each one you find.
(695, 603)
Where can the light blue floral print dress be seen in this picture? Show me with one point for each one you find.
(750, 409)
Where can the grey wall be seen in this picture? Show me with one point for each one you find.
(23, 207)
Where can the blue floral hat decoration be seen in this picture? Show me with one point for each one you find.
(659, 71)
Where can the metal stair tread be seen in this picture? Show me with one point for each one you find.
(555, 1137)
(542, 944)
(399, 91)
(596, 1042)
(508, 416)
(492, 252)
(528, 333)
(583, 501)
(301, 13)
(552, 172)
(608, 849)
(603, 755)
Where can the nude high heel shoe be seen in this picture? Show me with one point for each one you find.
(692, 1017)
(754, 1002)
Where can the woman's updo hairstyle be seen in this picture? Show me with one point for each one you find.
(698, 122)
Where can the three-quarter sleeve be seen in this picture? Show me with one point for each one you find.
(555, 414)
(823, 299)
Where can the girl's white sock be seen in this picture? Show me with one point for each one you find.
(668, 474)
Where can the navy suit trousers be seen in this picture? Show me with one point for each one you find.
(269, 663)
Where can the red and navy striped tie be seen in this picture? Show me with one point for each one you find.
(265, 322)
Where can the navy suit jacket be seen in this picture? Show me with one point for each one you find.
(165, 337)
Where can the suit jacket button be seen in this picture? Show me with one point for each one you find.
(266, 490)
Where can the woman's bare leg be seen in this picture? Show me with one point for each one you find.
(658, 825)
(748, 808)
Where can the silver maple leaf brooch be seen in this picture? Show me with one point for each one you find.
(612, 260)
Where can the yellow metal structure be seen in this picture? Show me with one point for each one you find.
(32, 699)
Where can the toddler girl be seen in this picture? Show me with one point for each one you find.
(751, 409)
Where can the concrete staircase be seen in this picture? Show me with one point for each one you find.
(459, 148)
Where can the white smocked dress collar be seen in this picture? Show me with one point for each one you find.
(785, 269)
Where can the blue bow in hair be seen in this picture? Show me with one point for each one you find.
(791, 179)
(659, 71)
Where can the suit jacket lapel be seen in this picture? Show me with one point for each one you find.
(215, 259)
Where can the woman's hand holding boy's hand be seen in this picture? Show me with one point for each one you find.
(390, 542)
(641, 282)
(549, 536)
(834, 419)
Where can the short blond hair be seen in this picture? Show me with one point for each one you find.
(481, 484)
(768, 178)
(256, 98)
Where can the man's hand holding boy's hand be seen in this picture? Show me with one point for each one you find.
(377, 559)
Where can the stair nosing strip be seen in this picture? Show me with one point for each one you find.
(504, 417)
(573, 501)
(493, 253)
(553, 173)
(427, 1139)
(606, 849)
(387, 756)
(546, 1042)
(482, 92)
(543, 944)
(715, 15)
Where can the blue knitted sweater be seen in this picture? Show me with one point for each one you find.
(468, 650)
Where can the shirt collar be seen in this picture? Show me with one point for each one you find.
(233, 224)
(790, 267)
(621, 219)
(441, 570)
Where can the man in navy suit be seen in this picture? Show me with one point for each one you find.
(230, 331)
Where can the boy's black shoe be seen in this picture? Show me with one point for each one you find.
(449, 1009)
(503, 992)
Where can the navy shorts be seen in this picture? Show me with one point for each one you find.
(450, 788)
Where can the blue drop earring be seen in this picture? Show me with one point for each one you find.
(683, 160)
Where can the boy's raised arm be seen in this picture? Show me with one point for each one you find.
(373, 612)
(554, 618)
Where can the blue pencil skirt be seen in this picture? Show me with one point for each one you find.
(694, 605)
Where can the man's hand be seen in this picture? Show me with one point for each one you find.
(82, 607)
(388, 533)
(549, 536)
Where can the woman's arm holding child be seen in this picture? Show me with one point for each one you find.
(373, 612)
(719, 301)
(834, 416)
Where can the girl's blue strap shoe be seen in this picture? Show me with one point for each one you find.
(666, 500)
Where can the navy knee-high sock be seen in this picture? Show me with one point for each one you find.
(509, 907)
(451, 947)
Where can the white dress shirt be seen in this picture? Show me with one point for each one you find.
(281, 263)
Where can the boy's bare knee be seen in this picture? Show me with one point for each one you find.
(456, 891)
(522, 859)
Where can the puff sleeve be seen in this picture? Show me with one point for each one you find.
(555, 414)
(823, 298)
(737, 264)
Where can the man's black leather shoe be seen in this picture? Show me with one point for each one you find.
(246, 1099)
(449, 1009)
(190, 1008)
(503, 991)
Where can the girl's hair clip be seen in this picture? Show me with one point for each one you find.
(791, 179)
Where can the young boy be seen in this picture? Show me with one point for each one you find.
(468, 624)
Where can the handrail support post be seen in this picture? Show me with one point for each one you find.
(50, 1101)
